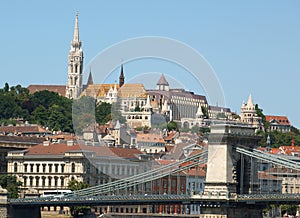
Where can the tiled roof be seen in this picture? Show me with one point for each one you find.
(149, 138)
(21, 139)
(23, 129)
(165, 162)
(132, 90)
(60, 89)
(162, 80)
(196, 172)
(104, 151)
(282, 120)
(130, 153)
(98, 90)
(52, 149)
(170, 136)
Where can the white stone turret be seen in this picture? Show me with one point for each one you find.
(199, 113)
(148, 106)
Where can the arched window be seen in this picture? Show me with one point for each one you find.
(62, 181)
(62, 168)
(15, 167)
(25, 181)
(30, 181)
(37, 181)
(43, 181)
(49, 181)
(73, 168)
(55, 181)
(50, 168)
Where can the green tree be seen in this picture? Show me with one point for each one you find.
(11, 184)
(116, 113)
(172, 125)
(103, 113)
(260, 113)
(75, 185)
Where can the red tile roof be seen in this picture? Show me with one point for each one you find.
(196, 172)
(60, 89)
(23, 129)
(283, 120)
(52, 149)
(60, 148)
(149, 138)
(170, 136)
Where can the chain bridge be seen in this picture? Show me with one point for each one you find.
(232, 187)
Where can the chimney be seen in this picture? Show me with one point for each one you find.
(46, 143)
(70, 143)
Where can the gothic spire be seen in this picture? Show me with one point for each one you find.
(90, 79)
(122, 77)
(76, 29)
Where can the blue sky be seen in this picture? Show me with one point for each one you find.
(253, 47)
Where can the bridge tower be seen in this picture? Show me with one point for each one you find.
(230, 173)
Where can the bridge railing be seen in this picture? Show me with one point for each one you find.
(143, 177)
(275, 159)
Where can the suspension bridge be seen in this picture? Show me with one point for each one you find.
(231, 187)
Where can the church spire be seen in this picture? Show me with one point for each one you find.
(76, 29)
(122, 77)
(90, 79)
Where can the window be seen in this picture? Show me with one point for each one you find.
(25, 168)
(31, 168)
(55, 181)
(62, 168)
(43, 181)
(15, 167)
(50, 168)
(56, 168)
(62, 181)
(30, 181)
(25, 181)
(38, 168)
(37, 180)
(49, 181)
(73, 168)
(44, 167)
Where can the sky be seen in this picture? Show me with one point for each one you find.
(253, 47)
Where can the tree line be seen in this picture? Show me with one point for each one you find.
(45, 108)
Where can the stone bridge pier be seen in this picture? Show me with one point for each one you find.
(230, 173)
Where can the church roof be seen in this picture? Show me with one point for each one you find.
(98, 90)
(60, 89)
(132, 91)
(162, 80)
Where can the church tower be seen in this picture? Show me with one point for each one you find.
(75, 65)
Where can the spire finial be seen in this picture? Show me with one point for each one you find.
(76, 29)
(122, 77)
